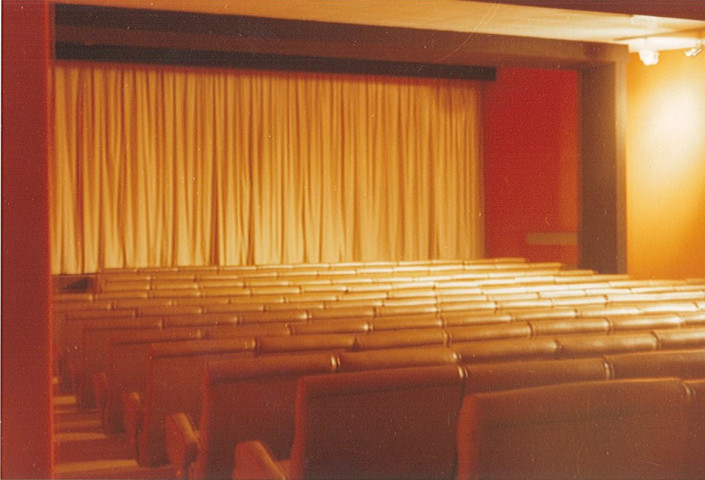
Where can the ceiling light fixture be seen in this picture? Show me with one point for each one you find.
(648, 57)
(691, 52)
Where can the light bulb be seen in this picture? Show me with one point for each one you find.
(691, 52)
(648, 57)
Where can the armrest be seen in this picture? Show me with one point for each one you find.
(254, 461)
(181, 443)
(133, 411)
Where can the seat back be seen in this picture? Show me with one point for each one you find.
(645, 322)
(347, 308)
(395, 358)
(692, 337)
(70, 336)
(465, 318)
(491, 377)
(411, 337)
(252, 330)
(663, 363)
(382, 424)
(593, 345)
(200, 320)
(552, 326)
(174, 384)
(273, 316)
(127, 367)
(345, 325)
(472, 333)
(287, 344)
(512, 349)
(587, 430)
(250, 399)
(96, 340)
(392, 322)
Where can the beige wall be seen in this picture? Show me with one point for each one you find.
(666, 167)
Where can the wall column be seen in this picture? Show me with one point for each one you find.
(26, 352)
(602, 182)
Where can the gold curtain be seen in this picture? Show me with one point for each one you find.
(163, 166)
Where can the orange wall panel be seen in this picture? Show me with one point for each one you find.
(531, 164)
(666, 167)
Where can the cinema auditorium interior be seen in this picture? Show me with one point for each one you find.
(365, 239)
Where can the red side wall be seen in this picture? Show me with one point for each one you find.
(531, 164)
(26, 379)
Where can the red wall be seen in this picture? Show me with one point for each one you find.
(531, 165)
(26, 380)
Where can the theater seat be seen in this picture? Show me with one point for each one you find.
(385, 424)
(243, 399)
(626, 429)
(174, 378)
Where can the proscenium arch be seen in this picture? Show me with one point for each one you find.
(601, 69)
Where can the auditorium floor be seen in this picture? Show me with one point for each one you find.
(84, 451)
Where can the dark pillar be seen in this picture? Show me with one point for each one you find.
(603, 229)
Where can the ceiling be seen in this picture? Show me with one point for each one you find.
(454, 15)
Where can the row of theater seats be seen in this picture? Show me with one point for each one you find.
(74, 313)
(382, 331)
(174, 370)
(173, 374)
(145, 352)
(256, 399)
(222, 300)
(385, 301)
(109, 281)
(223, 295)
(164, 297)
(625, 429)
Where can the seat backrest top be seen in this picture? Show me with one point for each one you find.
(131, 337)
(489, 377)
(507, 349)
(592, 344)
(395, 358)
(665, 363)
(227, 371)
(310, 342)
(411, 413)
(201, 347)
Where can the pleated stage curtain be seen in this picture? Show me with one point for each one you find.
(165, 166)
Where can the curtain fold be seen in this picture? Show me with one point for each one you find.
(165, 166)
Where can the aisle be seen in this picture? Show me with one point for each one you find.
(82, 450)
